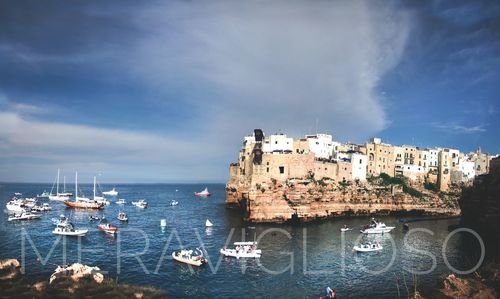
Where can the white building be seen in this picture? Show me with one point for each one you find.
(413, 171)
(432, 158)
(277, 143)
(467, 168)
(359, 164)
(321, 145)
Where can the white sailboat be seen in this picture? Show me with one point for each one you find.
(208, 223)
(58, 196)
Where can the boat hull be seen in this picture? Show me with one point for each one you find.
(377, 230)
(239, 254)
(370, 249)
(76, 233)
(58, 198)
(83, 205)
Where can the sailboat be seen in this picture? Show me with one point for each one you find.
(82, 202)
(99, 199)
(58, 196)
(208, 223)
(64, 193)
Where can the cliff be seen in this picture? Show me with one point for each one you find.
(309, 199)
(480, 203)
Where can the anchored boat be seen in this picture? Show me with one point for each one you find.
(67, 229)
(108, 228)
(111, 192)
(24, 216)
(187, 257)
(82, 202)
(140, 204)
(242, 250)
(122, 216)
(368, 247)
(376, 228)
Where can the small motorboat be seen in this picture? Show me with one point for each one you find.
(208, 223)
(111, 192)
(122, 216)
(140, 204)
(368, 247)
(203, 193)
(242, 250)
(376, 228)
(120, 201)
(67, 229)
(24, 216)
(187, 257)
(107, 228)
(16, 205)
(18, 194)
(174, 203)
(94, 218)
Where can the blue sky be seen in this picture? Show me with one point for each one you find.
(164, 91)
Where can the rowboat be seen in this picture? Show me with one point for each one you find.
(187, 257)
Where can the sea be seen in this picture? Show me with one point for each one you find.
(298, 261)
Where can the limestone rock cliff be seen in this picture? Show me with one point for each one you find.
(309, 199)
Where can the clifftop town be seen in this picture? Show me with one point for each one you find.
(279, 179)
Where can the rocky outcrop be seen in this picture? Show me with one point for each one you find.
(455, 287)
(308, 199)
(76, 272)
(9, 269)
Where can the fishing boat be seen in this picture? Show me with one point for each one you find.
(44, 194)
(242, 250)
(203, 193)
(208, 223)
(67, 229)
(58, 196)
(122, 216)
(111, 192)
(187, 257)
(376, 228)
(107, 228)
(121, 201)
(174, 202)
(368, 247)
(82, 202)
(140, 204)
(99, 199)
(24, 216)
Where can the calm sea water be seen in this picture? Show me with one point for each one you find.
(298, 261)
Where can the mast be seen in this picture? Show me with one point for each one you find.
(76, 185)
(94, 187)
(64, 184)
(57, 188)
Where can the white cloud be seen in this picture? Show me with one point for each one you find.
(457, 128)
(276, 65)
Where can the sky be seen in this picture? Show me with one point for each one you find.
(165, 91)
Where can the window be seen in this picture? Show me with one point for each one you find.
(282, 169)
(276, 142)
(267, 169)
(267, 162)
(360, 161)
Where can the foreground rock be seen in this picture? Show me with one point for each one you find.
(75, 281)
(77, 272)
